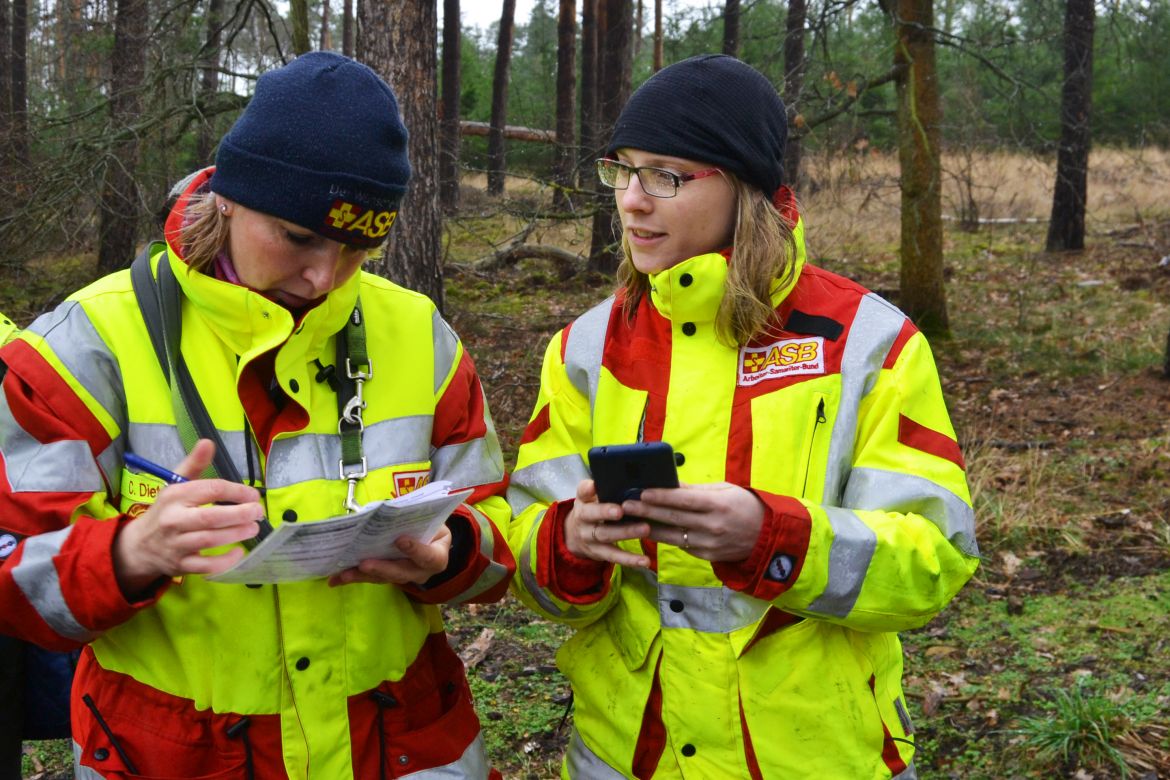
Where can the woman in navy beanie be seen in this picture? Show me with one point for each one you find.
(321, 388)
(744, 624)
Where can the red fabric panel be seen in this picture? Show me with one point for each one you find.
(54, 412)
(753, 765)
(459, 415)
(739, 437)
(786, 530)
(904, 335)
(175, 219)
(536, 426)
(928, 440)
(652, 737)
(266, 419)
(638, 353)
(570, 578)
(890, 754)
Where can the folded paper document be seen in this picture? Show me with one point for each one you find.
(304, 551)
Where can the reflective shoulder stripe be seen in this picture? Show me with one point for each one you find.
(446, 350)
(874, 330)
(476, 462)
(853, 546)
(310, 456)
(585, 346)
(69, 333)
(893, 491)
(37, 578)
(581, 763)
(546, 481)
(65, 466)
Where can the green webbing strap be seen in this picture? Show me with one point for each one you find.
(354, 370)
(161, 306)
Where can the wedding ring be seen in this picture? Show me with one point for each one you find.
(595, 534)
(686, 545)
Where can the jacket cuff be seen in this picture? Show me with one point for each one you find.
(449, 583)
(569, 577)
(778, 557)
(93, 601)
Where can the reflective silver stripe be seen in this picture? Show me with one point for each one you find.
(37, 578)
(495, 572)
(73, 339)
(874, 330)
(80, 771)
(584, 349)
(909, 773)
(546, 481)
(849, 557)
(472, 764)
(892, 491)
(528, 577)
(583, 764)
(469, 463)
(446, 347)
(710, 610)
(57, 467)
(162, 444)
(313, 456)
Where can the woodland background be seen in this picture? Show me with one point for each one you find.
(998, 168)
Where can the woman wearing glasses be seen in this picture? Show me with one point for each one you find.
(744, 624)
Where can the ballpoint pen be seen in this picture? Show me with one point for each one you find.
(139, 463)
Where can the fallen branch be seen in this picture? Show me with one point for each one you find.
(514, 253)
(514, 132)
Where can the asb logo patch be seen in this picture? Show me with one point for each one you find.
(407, 481)
(350, 218)
(782, 358)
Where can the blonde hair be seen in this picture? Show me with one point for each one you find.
(204, 232)
(763, 259)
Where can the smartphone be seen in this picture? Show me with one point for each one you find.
(622, 471)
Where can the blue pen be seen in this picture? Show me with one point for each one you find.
(139, 463)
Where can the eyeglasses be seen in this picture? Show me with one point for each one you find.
(657, 182)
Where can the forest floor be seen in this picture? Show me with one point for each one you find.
(1054, 661)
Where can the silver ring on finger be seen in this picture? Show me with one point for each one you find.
(686, 545)
(595, 534)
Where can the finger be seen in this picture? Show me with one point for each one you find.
(616, 555)
(612, 533)
(674, 536)
(658, 514)
(587, 491)
(197, 460)
(196, 541)
(211, 517)
(427, 557)
(211, 564)
(210, 491)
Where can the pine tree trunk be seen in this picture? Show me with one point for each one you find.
(119, 206)
(1066, 229)
(326, 43)
(731, 27)
(923, 295)
(794, 66)
(398, 41)
(209, 82)
(19, 84)
(588, 125)
(6, 157)
(614, 54)
(657, 35)
(449, 124)
(566, 87)
(347, 29)
(298, 12)
(496, 143)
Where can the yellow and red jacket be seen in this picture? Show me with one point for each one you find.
(212, 680)
(787, 664)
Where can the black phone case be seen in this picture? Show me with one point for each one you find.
(622, 471)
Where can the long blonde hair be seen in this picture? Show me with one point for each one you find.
(763, 259)
(204, 232)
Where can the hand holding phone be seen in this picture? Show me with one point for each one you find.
(622, 471)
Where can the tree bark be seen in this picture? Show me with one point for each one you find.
(119, 205)
(731, 27)
(1066, 229)
(449, 124)
(19, 84)
(209, 80)
(566, 88)
(794, 67)
(588, 109)
(657, 35)
(347, 29)
(922, 294)
(6, 156)
(614, 56)
(298, 12)
(326, 37)
(398, 41)
(496, 144)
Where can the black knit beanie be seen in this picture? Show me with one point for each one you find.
(321, 144)
(714, 109)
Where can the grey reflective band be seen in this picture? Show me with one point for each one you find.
(313, 456)
(528, 577)
(469, 463)
(446, 347)
(37, 578)
(893, 491)
(546, 481)
(495, 572)
(584, 348)
(80, 771)
(909, 773)
(849, 555)
(875, 328)
(472, 764)
(65, 466)
(583, 764)
(86, 356)
(162, 443)
(711, 610)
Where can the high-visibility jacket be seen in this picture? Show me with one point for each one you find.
(787, 664)
(212, 680)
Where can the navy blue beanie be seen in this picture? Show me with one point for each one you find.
(714, 109)
(321, 145)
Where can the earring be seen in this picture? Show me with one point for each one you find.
(223, 209)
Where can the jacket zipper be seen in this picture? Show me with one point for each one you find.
(820, 419)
